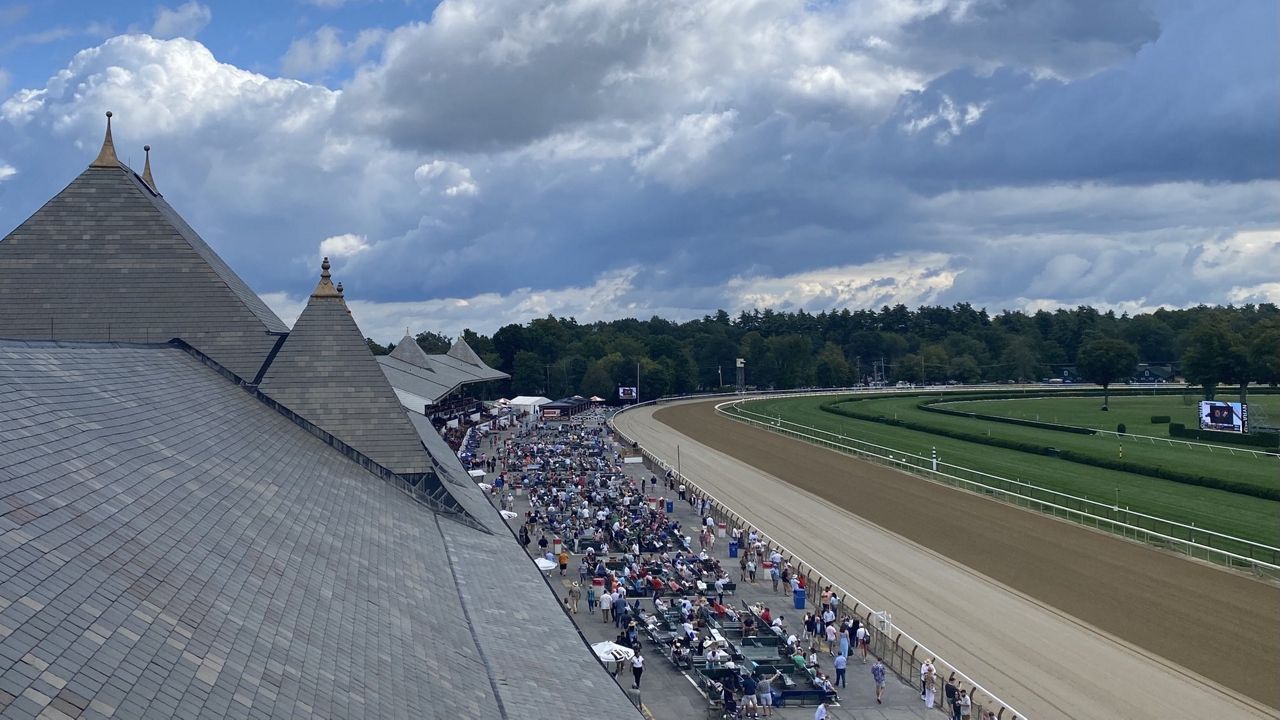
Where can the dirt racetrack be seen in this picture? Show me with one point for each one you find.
(1218, 624)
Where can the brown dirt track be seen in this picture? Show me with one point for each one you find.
(1220, 624)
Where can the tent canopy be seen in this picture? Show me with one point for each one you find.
(529, 401)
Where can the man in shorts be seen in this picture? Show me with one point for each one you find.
(877, 674)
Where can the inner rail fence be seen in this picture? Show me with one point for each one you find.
(902, 654)
(1209, 545)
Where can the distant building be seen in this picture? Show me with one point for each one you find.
(205, 513)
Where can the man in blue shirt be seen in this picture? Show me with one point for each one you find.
(877, 674)
(841, 663)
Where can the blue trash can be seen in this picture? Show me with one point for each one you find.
(798, 596)
(671, 506)
(733, 548)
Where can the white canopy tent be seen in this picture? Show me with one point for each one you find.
(528, 403)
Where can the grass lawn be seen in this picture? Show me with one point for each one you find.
(1134, 411)
(1240, 515)
(1235, 464)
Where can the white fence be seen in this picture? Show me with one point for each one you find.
(1195, 542)
(902, 653)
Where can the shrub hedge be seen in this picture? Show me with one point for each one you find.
(1267, 440)
(1069, 455)
(1160, 419)
(929, 406)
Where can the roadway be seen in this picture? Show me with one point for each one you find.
(1058, 620)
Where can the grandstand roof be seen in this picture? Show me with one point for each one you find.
(420, 379)
(180, 540)
(109, 259)
(172, 545)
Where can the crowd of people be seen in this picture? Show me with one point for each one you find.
(627, 559)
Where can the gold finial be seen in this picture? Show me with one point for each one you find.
(146, 169)
(107, 155)
(325, 287)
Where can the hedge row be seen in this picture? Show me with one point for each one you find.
(1069, 455)
(1268, 440)
(1160, 419)
(928, 405)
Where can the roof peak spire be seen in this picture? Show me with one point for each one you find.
(107, 155)
(146, 169)
(325, 287)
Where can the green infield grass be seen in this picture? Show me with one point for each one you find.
(1231, 513)
(1134, 411)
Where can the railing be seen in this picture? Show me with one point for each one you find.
(1190, 540)
(901, 653)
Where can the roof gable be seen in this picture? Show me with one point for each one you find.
(411, 352)
(325, 372)
(108, 259)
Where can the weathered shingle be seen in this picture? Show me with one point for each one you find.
(108, 259)
(326, 373)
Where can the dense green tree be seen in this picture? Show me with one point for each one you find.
(929, 344)
(1264, 356)
(831, 370)
(433, 343)
(1211, 356)
(1104, 360)
(528, 375)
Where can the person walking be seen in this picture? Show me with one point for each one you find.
(591, 600)
(575, 594)
(821, 712)
(637, 669)
(877, 674)
(606, 604)
(864, 642)
(841, 664)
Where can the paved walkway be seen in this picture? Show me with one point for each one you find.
(669, 694)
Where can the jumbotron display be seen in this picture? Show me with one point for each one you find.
(1224, 416)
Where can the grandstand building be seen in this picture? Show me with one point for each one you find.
(207, 514)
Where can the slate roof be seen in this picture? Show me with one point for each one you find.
(108, 259)
(420, 379)
(325, 372)
(170, 546)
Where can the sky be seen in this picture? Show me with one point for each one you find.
(472, 163)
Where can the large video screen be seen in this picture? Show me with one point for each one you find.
(1224, 416)
(627, 393)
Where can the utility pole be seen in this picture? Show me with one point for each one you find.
(720, 374)
(637, 381)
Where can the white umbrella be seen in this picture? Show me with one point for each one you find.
(476, 473)
(545, 565)
(609, 651)
(484, 486)
(508, 514)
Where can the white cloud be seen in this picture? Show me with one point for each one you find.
(7, 171)
(446, 178)
(911, 279)
(384, 321)
(344, 246)
(186, 20)
(324, 50)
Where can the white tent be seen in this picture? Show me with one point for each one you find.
(613, 652)
(528, 403)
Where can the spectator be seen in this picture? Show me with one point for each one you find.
(841, 665)
(877, 674)
(637, 668)
(575, 594)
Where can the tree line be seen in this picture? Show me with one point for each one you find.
(556, 357)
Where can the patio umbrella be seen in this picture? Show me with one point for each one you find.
(609, 651)
(545, 565)
(508, 514)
